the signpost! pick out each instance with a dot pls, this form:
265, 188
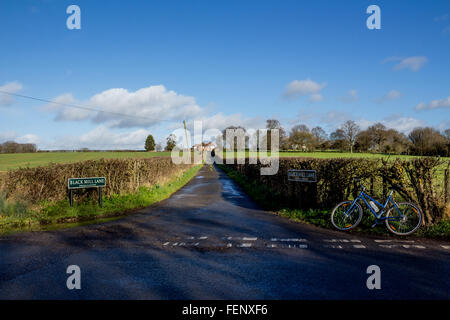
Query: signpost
302, 175
79, 183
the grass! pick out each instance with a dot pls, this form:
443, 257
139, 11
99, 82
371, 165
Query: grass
321, 218
16, 217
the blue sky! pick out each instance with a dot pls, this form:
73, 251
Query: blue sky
223, 62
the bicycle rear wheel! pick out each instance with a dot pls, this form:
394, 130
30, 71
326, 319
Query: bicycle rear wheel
343, 220
406, 224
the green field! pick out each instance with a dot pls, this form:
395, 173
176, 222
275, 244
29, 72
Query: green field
21, 160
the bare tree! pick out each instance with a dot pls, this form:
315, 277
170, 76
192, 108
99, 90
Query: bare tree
275, 124
350, 130
320, 136
301, 138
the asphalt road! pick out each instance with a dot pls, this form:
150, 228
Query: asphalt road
210, 241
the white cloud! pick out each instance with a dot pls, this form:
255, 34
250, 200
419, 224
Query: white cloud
123, 109
99, 138
13, 136
29, 138
389, 96
397, 122
352, 96
12, 87
434, 104
220, 121
298, 88
443, 17
7, 136
316, 97
412, 63
335, 118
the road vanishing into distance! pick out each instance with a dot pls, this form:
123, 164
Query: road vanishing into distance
210, 241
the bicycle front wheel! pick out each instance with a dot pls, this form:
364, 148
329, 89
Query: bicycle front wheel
344, 219
407, 219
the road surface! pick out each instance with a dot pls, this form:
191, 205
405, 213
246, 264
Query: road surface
210, 241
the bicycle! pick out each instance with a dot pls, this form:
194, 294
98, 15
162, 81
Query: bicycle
401, 218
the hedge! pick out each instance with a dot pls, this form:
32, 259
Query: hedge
49, 183
422, 180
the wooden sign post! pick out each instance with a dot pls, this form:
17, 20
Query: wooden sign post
306, 189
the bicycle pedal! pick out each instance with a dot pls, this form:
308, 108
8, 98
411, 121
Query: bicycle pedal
377, 222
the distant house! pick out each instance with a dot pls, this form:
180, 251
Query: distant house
200, 147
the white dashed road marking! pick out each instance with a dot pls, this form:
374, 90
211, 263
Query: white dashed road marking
250, 241
399, 241
334, 247
241, 238
289, 240
336, 240
405, 246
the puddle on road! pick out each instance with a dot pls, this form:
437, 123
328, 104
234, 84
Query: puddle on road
230, 190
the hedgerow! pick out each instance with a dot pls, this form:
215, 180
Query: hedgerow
49, 184
422, 180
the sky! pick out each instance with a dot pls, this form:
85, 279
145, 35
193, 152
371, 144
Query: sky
149, 65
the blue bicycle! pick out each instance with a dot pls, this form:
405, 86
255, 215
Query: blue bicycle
401, 218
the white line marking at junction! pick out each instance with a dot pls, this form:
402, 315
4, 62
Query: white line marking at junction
289, 240
445, 247
407, 246
244, 245
166, 243
202, 238
241, 238
402, 241
355, 240
359, 246
229, 245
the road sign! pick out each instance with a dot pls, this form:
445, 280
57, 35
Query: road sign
302, 175
78, 183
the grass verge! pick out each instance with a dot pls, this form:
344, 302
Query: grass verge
321, 217
15, 217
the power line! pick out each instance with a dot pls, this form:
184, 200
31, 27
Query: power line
81, 107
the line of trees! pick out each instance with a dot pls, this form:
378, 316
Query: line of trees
14, 147
423, 141
376, 138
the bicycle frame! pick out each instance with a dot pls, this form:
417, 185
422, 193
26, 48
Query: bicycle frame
366, 198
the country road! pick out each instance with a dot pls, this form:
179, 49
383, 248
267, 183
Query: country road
210, 241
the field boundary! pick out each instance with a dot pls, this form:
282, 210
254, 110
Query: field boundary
61, 215
321, 217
